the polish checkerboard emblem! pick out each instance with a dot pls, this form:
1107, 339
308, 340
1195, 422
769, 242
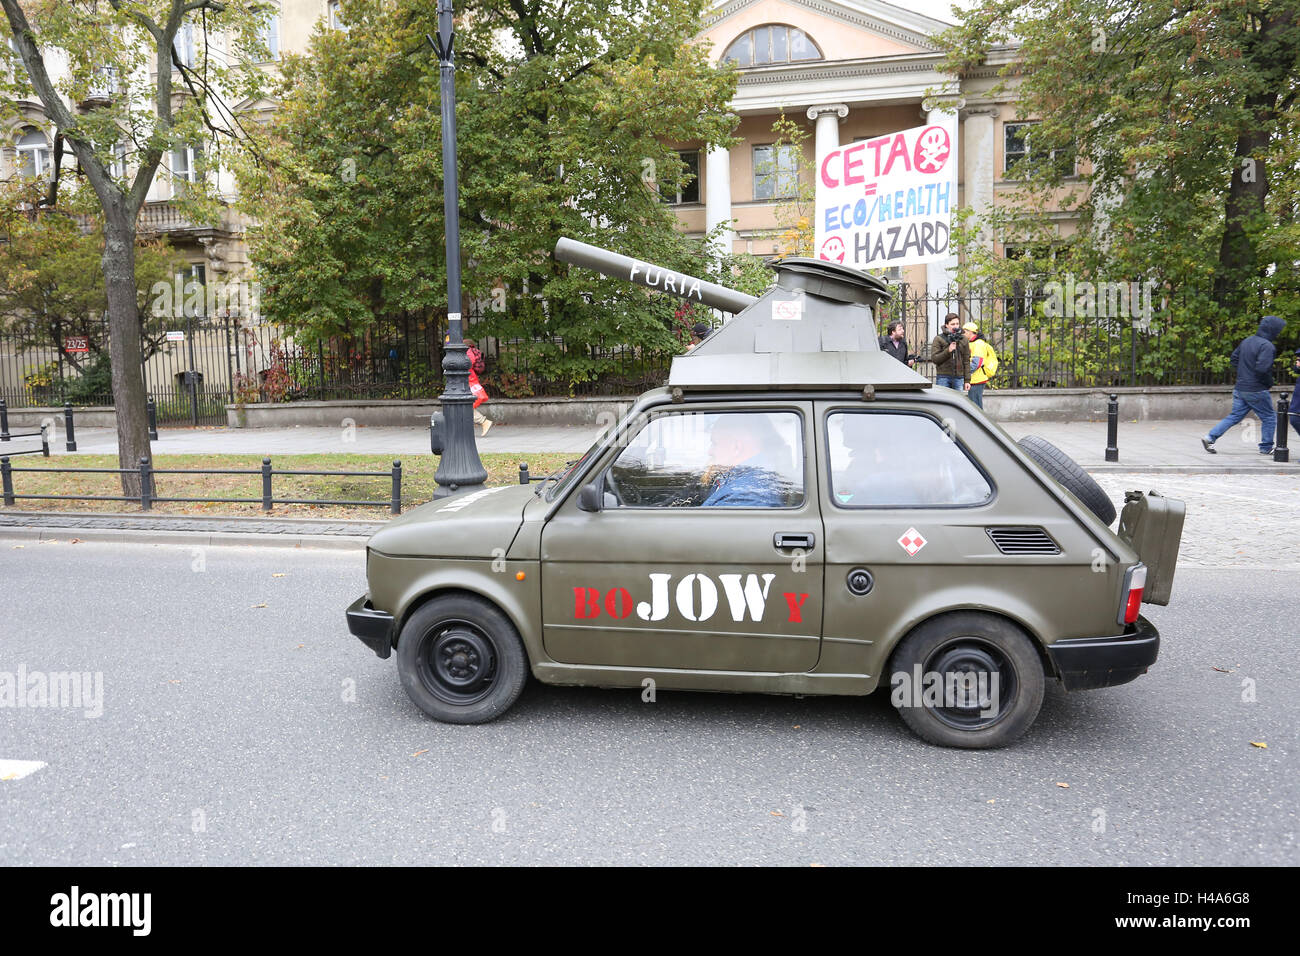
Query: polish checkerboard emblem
912, 541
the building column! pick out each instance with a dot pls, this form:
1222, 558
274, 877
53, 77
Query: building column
977, 128
827, 118
717, 197
941, 276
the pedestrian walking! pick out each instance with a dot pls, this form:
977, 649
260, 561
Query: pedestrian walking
983, 362
1253, 359
476, 367
950, 353
893, 343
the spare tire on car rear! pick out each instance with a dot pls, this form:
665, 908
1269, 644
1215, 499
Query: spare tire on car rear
1072, 477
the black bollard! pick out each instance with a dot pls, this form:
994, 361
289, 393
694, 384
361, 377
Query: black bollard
523, 473
45, 441
153, 418
4, 420
1112, 429
146, 485
396, 505
69, 434
266, 484
8, 477
1280, 450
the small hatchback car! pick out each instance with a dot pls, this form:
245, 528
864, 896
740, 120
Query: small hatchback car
796, 513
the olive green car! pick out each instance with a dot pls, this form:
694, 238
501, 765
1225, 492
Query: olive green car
786, 522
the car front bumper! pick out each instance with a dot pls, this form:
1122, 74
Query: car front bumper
1085, 663
374, 628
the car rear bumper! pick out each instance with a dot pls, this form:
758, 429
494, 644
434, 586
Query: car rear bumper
1085, 663
373, 628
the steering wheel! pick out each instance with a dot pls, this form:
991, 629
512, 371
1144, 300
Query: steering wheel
629, 496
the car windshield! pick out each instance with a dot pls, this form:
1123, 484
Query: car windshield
564, 476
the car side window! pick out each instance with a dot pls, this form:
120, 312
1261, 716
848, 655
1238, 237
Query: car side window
899, 460
711, 460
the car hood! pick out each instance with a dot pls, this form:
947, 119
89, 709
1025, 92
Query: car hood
480, 524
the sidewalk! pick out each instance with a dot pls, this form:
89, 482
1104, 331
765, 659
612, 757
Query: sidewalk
1143, 446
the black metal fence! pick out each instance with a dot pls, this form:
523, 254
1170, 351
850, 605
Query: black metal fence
149, 495
195, 366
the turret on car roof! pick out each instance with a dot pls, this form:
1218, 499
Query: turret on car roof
814, 329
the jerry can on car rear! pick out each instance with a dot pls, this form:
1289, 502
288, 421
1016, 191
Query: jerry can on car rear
1153, 525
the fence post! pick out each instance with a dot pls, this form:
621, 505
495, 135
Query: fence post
523, 472
152, 407
1280, 450
7, 471
397, 488
4, 420
69, 434
266, 484
1112, 429
146, 484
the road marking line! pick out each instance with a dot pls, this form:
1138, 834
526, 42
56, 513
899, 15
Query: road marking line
17, 769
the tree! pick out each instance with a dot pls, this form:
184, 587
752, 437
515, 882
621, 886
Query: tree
564, 110
125, 74
1168, 129
51, 284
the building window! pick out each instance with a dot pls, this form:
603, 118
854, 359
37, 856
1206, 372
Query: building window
772, 43
1016, 147
187, 166
336, 15
776, 171
269, 34
689, 191
193, 282
117, 162
34, 158
184, 44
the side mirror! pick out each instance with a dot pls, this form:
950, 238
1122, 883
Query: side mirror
591, 498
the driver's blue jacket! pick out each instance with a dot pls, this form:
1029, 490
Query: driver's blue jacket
747, 486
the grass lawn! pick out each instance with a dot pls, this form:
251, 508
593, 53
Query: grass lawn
417, 482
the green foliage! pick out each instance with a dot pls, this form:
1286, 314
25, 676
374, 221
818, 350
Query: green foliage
563, 113
1170, 132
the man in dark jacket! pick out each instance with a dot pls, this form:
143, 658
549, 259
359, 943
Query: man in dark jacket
893, 343
1254, 361
950, 353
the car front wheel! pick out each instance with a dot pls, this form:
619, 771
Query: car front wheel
461, 660
967, 680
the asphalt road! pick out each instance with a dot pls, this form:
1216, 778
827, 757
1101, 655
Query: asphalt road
233, 733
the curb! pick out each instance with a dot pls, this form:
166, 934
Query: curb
1116, 469
206, 539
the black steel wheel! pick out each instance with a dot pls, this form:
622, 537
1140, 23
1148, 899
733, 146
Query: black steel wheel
461, 660
968, 680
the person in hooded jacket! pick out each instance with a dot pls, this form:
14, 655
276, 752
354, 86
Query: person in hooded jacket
1254, 361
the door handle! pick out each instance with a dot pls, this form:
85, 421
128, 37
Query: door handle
786, 539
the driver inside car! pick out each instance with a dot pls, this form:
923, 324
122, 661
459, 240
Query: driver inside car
745, 455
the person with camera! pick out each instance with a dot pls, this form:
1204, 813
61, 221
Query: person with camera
893, 343
950, 353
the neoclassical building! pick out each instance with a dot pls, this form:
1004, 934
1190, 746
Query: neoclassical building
848, 70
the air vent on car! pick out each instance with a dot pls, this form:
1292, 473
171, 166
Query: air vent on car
1023, 540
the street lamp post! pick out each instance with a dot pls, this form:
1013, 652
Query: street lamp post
453, 427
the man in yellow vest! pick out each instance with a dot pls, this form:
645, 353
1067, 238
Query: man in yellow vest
983, 363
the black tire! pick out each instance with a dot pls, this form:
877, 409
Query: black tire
967, 642
1071, 477
461, 660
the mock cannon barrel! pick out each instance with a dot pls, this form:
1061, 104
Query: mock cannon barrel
651, 276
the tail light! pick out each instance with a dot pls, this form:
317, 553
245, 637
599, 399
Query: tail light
1135, 580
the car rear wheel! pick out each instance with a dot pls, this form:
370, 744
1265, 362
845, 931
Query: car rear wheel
461, 660
967, 680
1070, 475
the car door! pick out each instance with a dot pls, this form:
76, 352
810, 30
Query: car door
697, 560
